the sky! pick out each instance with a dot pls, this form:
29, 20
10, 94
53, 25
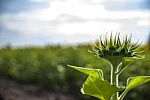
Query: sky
41, 22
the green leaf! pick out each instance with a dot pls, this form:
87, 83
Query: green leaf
98, 88
133, 82
126, 61
89, 71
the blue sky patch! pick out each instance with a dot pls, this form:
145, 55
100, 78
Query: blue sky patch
13, 6
136, 5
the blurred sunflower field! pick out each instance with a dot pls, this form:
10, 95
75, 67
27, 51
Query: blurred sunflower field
47, 67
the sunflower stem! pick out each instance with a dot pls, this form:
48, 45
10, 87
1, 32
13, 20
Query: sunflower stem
111, 73
122, 95
115, 80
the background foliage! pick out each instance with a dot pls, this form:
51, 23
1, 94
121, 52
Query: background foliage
47, 67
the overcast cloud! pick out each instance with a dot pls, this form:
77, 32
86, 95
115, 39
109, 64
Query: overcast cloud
73, 21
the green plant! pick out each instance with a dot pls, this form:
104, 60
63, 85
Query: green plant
119, 53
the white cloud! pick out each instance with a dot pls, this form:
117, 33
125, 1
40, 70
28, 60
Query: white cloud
39, 1
71, 18
90, 27
126, 0
144, 22
87, 11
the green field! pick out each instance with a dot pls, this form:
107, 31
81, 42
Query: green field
47, 67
